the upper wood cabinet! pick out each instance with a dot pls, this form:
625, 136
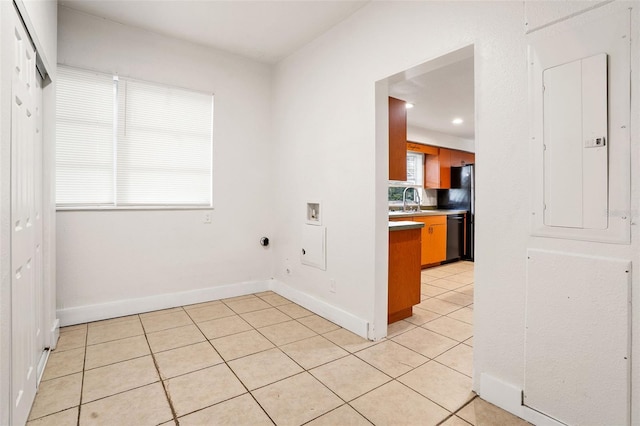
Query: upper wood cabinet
397, 140
462, 158
445, 168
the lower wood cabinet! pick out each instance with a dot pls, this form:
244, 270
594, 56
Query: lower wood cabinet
404, 273
434, 239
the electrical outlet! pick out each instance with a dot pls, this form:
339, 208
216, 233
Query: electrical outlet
207, 218
332, 285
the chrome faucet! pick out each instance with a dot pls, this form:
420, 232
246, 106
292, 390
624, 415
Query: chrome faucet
416, 197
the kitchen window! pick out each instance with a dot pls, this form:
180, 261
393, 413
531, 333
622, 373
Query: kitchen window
415, 178
124, 143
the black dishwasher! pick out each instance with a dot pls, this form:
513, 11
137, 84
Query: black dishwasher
455, 236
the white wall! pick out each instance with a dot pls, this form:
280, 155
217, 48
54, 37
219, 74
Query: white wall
431, 137
123, 255
326, 131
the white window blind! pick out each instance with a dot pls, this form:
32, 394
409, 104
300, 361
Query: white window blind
160, 146
414, 168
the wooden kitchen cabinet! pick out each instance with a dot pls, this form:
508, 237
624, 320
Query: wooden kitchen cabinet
462, 158
434, 239
404, 273
397, 140
437, 170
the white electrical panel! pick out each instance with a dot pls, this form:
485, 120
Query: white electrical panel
579, 99
575, 150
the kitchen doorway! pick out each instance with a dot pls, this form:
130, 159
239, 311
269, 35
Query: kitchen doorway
439, 97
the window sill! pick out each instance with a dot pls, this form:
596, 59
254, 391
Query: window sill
129, 208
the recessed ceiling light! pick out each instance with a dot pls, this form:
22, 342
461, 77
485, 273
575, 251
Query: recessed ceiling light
457, 121
408, 105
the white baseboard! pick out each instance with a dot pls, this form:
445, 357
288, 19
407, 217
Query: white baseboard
119, 308
509, 398
343, 318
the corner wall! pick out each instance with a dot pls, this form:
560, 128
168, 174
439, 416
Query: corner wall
118, 256
325, 97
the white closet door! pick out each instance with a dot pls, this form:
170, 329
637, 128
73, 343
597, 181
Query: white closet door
26, 237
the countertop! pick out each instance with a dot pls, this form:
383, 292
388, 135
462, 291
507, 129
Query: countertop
402, 225
400, 213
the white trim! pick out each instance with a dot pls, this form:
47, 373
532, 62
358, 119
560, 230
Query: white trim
509, 398
118, 308
55, 334
343, 318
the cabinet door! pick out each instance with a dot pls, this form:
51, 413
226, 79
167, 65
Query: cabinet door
434, 239
397, 140
444, 156
404, 273
431, 171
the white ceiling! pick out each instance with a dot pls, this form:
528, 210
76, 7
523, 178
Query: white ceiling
264, 30
439, 96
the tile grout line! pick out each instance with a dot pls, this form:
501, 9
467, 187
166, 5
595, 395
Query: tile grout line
232, 372
84, 363
155, 364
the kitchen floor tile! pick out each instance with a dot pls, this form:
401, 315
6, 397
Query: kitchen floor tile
275, 299
247, 305
343, 416
241, 410
286, 332
394, 403
421, 316
456, 298
241, 344
313, 351
210, 312
447, 284
318, 324
468, 290
142, 406
436, 272
451, 328
264, 368
77, 327
438, 306
189, 308
440, 384
348, 340
67, 417
56, 395
464, 314
71, 340
186, 359
295, 311
64, 363
459, 358
430, 290
469, 342
296, 400
160, 312
224, 327
398, 328
465, 278
116, 351
203, 388
392, 358
454, 421
174, 338
114, 331
425, 342
116, 378
349, 377
265, 317
481, 413
165, 321
111, 321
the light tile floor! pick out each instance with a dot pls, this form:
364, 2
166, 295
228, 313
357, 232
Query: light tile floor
261, 359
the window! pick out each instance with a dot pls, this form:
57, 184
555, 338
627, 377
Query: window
415, 173
127, 143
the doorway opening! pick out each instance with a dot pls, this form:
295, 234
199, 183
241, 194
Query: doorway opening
436, 190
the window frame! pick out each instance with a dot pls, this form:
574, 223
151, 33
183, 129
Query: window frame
144, 207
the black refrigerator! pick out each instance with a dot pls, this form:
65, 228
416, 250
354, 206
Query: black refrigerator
461, 196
